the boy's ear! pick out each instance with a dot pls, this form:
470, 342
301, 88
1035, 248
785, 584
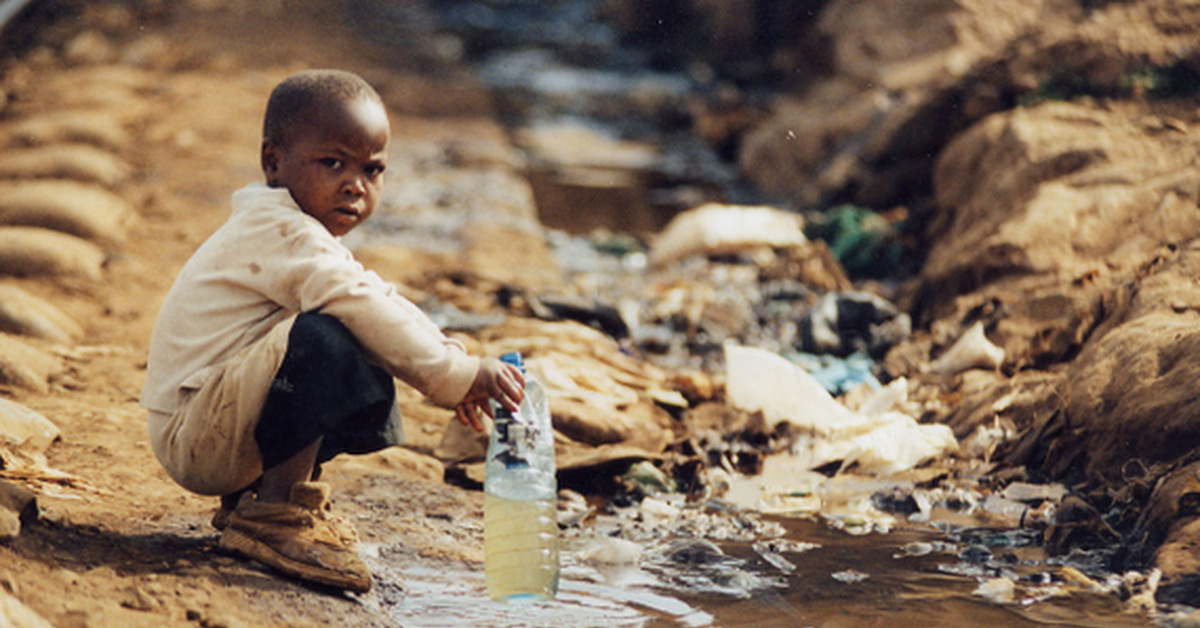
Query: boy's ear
270, 160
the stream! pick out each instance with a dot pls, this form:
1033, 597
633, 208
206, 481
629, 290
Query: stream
843, 554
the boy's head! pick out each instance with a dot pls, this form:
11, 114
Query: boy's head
325, 138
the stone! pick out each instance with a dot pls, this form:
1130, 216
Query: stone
17, 615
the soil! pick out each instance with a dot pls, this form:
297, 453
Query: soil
119, 544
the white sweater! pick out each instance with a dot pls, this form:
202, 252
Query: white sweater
270, 261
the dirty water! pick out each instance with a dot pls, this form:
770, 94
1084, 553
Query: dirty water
844, 581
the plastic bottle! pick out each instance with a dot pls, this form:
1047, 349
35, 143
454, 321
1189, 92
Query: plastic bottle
520, 527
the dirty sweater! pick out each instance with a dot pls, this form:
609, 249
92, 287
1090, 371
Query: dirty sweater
268, 262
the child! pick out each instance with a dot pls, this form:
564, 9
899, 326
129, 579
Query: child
275, 350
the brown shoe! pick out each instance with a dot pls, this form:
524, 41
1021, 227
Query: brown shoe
298, 541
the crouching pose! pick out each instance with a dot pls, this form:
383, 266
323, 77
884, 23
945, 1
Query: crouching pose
275, 350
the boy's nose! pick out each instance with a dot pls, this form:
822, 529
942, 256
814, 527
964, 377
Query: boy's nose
355, 185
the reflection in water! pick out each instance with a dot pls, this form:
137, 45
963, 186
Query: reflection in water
812, 576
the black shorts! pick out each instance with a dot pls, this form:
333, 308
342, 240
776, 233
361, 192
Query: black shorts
325, 387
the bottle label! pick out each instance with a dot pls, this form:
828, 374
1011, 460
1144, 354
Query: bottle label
517, 440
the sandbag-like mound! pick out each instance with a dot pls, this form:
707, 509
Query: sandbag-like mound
80, 162
32, 251
25, 366
89, 127
79, 209
23, 314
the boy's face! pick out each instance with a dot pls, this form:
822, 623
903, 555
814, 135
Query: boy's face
333, 164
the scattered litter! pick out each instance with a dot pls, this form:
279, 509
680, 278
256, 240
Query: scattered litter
843, 323
971, 350
999, 590
715, 229
850, 576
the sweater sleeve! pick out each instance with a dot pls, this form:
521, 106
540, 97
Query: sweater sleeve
322, 275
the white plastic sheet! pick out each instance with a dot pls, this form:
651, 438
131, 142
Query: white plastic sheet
881, 443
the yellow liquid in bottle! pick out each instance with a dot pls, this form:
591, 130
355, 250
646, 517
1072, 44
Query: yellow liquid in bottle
520, 543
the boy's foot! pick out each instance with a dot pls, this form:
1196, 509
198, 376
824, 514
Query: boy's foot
299, 539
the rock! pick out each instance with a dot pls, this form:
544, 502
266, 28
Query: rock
29, 431
17, 615
32, 251
24, 314
716, 229
88, 48
17, 506
79, 162
1128, 394
80, 209
903, 78
25, 366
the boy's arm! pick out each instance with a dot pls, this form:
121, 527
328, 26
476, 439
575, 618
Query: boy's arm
319, 274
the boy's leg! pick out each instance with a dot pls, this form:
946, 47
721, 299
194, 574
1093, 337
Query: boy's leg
276, 483
326, 389
325, 399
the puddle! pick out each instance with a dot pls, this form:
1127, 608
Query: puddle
770, 572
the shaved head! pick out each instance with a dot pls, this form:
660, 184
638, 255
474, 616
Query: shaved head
294, 101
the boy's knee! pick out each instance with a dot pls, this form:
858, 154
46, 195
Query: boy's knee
322, 334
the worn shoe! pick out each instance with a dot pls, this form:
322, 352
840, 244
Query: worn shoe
301, 538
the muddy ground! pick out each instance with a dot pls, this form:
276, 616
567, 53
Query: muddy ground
120, 544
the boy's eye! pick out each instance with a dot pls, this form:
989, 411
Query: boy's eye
375, 170
332, 162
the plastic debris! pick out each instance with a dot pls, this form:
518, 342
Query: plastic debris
850, 576
839, 375
865, 242
842, 323
999, 590
716, 229
649, 477
971, 350
826, 431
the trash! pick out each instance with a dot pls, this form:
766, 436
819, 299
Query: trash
825, 430
866, 243
849, 576
649, 477
999, 590
842, 323
971, 350
716, 229
839, 375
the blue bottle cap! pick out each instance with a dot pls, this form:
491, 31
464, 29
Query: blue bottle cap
514, 359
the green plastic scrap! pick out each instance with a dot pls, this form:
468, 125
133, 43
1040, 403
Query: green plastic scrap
649, 477
863, 241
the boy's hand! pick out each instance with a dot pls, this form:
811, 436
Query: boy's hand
495, 380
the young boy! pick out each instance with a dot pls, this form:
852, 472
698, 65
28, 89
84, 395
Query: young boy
275, 350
